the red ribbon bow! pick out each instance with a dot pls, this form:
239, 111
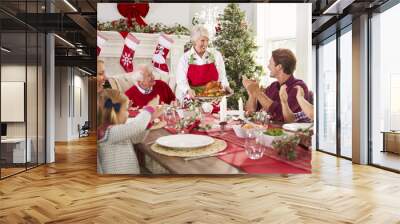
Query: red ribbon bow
134, 10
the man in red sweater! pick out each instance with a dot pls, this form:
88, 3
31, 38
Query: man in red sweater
147, 88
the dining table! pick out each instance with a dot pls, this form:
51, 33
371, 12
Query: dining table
233, 162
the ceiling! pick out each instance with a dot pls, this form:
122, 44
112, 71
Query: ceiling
79, 27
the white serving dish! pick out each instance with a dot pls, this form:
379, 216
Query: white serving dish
239, 131
242, 132
296, 126
268, 139
184, 141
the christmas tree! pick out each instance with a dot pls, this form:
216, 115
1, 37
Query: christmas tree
235, 41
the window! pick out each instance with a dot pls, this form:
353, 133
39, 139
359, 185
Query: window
22, 74
346, 94
385, 87
272, 35
327, 96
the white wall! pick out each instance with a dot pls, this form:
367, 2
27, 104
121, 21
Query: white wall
33, 127
68, 81
14, 73
165, 13
61, 103
169, 13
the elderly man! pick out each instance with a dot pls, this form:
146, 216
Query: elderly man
147, 88
282, 65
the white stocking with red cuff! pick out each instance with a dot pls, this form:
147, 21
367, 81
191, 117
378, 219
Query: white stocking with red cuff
100, 42
128, 52
160, 54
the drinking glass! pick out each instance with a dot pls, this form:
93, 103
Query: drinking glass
253, 147
169, 117
265, 119
180, 126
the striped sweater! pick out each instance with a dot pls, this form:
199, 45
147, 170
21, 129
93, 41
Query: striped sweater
115, 151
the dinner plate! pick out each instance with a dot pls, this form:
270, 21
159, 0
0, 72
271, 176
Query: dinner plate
185, 141
296, 126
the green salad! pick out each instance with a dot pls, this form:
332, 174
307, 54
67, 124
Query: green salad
274, 132
198, 89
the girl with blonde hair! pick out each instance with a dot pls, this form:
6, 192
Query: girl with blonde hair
115, 137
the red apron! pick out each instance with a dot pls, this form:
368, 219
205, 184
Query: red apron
199, 75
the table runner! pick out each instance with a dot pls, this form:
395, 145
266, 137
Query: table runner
270, 163
303, 162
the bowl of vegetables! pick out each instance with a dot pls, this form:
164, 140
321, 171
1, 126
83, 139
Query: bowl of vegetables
270, 135
242, 131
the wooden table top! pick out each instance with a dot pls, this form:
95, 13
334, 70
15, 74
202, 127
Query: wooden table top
177, 165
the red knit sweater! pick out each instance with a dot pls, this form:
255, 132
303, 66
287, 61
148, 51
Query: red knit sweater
160, 88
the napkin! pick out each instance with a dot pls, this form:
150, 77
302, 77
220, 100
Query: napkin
215, 108
133, 113
193, 125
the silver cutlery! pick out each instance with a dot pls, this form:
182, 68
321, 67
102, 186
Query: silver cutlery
211, 155
205, 156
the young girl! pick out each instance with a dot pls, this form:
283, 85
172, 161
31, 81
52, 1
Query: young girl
115, 151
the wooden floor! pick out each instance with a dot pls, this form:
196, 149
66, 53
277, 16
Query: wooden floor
387, 159
10, 171
70, 191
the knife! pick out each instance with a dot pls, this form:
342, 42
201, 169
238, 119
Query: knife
211, 155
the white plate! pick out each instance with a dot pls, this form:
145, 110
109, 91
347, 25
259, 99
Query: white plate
185, 141
296, 126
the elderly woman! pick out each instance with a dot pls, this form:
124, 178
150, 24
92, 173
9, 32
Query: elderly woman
199, 65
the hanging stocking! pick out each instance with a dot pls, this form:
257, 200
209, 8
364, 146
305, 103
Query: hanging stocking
128, 52
100, 42
160, 54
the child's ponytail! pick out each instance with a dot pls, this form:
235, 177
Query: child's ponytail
113, 116
112, 101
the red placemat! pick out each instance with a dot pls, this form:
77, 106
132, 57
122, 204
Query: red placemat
303, 161
270, 163
265, 165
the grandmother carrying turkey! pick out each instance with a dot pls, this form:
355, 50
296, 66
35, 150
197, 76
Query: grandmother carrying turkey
199, 66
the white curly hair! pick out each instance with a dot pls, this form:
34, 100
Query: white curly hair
197, 32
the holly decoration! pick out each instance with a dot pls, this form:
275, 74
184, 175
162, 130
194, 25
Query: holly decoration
123, 25
286, 146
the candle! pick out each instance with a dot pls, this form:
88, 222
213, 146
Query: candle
222, 109
241, 112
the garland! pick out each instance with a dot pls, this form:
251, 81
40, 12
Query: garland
122, 25
210, 58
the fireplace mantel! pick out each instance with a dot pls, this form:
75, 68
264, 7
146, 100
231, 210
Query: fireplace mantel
111, 53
